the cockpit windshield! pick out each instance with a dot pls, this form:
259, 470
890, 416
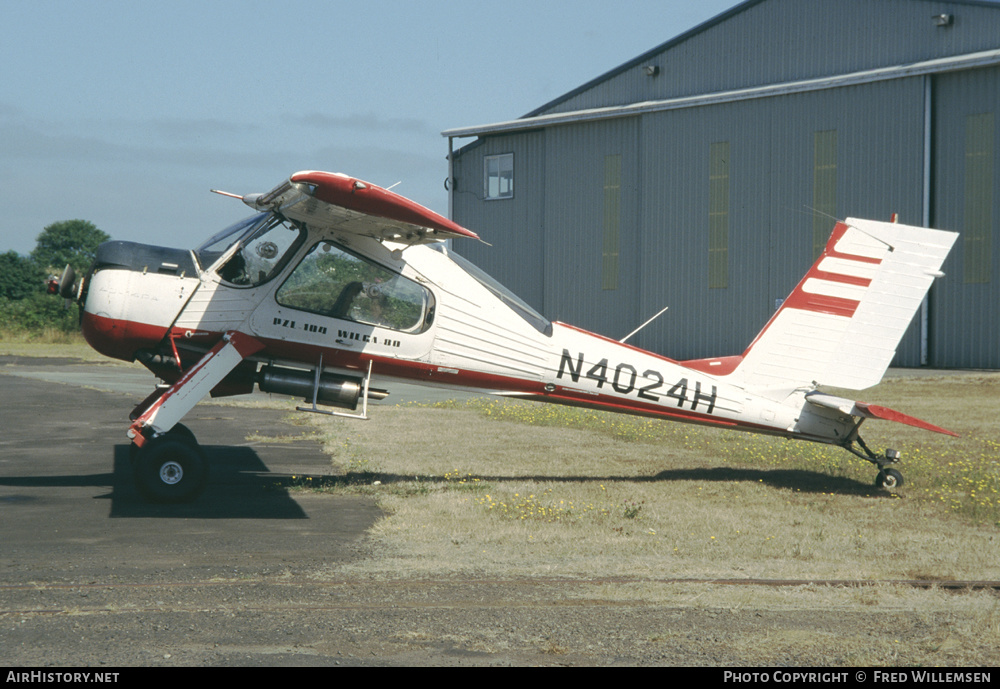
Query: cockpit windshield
514, 302
266, 242
212, 249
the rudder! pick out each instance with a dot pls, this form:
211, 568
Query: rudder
842, 323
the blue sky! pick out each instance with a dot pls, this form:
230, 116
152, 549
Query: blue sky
125, 113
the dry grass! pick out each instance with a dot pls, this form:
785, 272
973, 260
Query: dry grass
46, 336
510, 488
623, 507
49, 344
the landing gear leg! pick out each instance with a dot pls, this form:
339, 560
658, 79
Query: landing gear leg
171, 467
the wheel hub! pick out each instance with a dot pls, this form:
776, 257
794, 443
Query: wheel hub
171, 473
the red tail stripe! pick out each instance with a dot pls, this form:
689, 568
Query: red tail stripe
821, 303
840, 277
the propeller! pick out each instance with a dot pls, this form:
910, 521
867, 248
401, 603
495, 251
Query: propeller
67, 288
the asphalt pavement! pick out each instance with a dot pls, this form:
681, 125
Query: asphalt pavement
70, 510
93, 576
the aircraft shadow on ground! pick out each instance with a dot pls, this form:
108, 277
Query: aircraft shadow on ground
790, 479
239, 487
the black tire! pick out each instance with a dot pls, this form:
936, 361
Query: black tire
170, 470
178, 432
890, 479
182, 432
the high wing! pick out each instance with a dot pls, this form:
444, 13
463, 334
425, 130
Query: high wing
346, 204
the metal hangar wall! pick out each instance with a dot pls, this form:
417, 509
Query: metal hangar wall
706, 174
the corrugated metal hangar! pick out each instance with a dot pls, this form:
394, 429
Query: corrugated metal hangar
706, 174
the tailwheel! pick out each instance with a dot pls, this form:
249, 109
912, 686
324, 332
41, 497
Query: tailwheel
170, 468
889, 479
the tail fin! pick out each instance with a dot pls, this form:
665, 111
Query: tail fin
842, 323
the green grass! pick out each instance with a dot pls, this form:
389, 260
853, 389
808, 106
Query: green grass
15, 339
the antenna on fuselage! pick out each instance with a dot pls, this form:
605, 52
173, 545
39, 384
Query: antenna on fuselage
658, 313
227, 193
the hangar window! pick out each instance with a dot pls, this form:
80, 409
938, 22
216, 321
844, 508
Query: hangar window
499, 176
718, 215
977, 249
612, 220
824, 187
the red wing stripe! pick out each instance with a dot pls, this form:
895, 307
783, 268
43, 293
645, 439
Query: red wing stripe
370, 199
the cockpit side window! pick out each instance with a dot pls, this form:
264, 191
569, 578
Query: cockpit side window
331, 281
511, 300
263, 254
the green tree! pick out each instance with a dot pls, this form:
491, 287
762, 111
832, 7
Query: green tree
19, 276
36, 313
71, 241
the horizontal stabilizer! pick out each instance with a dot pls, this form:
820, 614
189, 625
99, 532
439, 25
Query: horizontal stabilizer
877, 412
871, 411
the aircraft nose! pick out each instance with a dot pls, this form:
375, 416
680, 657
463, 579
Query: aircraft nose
134, 293
106, 320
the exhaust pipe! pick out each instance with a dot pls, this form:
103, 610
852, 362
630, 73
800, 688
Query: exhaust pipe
331, 389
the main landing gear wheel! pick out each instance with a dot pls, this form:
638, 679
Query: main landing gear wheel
170, 468
889, 479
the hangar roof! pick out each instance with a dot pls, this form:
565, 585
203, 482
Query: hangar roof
820, 46
981, 59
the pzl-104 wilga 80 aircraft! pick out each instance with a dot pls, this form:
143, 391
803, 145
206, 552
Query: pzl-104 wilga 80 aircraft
337, 287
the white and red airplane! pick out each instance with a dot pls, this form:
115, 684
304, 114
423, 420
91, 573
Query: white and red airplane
337, 287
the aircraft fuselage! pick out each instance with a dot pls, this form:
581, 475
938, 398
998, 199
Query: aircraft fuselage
413, 313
